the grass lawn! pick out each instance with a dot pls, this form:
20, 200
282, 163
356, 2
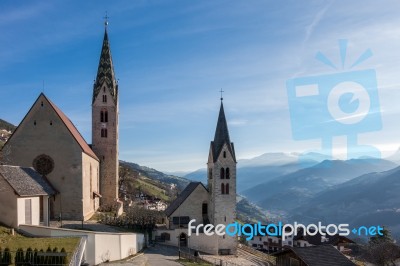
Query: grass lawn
191, 263
18, 241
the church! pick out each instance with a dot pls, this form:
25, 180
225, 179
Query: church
214, 204
81, 176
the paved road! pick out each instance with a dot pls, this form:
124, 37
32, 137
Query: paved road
153, 256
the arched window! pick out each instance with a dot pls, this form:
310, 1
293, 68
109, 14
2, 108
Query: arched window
104, 116
104, 98
227, 188
222, 173
227, 176
104, 132
224, 154
222, 188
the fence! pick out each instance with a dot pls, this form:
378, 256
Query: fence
34, 257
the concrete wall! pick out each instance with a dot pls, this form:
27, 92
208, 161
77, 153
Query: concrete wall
202, 242
100, 246
8, 204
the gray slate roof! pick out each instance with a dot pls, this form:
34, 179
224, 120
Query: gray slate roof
221, 136
182, 197
326, 255
26, 181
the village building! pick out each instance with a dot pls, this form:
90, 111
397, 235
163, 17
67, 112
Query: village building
214, 204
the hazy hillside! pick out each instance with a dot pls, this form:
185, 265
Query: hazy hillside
156, 183
5, 129
369, 199
260, 169
289, 191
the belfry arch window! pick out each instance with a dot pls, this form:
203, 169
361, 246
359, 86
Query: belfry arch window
104, 98
222, 188
104, 132
226, 188
224, 154
104, 116
222, 173
227, 174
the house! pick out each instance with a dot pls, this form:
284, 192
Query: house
24, 196
270, 243
326, 255
339, 242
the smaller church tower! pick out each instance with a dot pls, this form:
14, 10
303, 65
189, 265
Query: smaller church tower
105, 124
221, 169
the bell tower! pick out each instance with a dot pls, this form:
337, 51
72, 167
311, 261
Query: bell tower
221, 168
105, 124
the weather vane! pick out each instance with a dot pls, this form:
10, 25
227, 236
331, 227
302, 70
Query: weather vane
106, 19
221, 91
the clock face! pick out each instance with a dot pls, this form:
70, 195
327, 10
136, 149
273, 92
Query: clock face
43, 164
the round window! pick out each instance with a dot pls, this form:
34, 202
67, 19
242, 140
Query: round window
43, 164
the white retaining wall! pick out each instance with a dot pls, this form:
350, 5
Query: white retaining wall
100, 246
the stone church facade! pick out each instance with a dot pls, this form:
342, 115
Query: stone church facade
83, 176
214, 204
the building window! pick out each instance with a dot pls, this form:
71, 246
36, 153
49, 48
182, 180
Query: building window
224, 154
104, 98
227, 176
41, 104
34, 123
222, 173
222, 188
104, 132
104, 116
227, 189
210, 173
51, 123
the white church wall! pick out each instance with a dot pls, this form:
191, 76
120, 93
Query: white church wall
90, 182
100, 246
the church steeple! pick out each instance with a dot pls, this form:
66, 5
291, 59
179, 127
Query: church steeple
222, 135
105, 72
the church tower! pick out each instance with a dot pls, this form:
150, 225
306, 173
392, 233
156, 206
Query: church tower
105, 124
221, 169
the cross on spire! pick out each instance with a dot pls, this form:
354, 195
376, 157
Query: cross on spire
221, 91
106, 20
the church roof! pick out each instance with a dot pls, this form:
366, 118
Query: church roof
105, 72
26, 181
73, 130
221, 136
182, 197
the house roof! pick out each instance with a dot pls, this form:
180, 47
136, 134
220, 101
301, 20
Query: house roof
221, 136
105, 71
26, 181
326, 255
182, 197
317, 239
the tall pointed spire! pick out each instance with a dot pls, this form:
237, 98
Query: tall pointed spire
105, 71
221, 136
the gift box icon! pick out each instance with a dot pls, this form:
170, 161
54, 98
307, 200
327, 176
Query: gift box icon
337, 104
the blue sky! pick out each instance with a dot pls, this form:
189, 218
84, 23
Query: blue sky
173, 57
